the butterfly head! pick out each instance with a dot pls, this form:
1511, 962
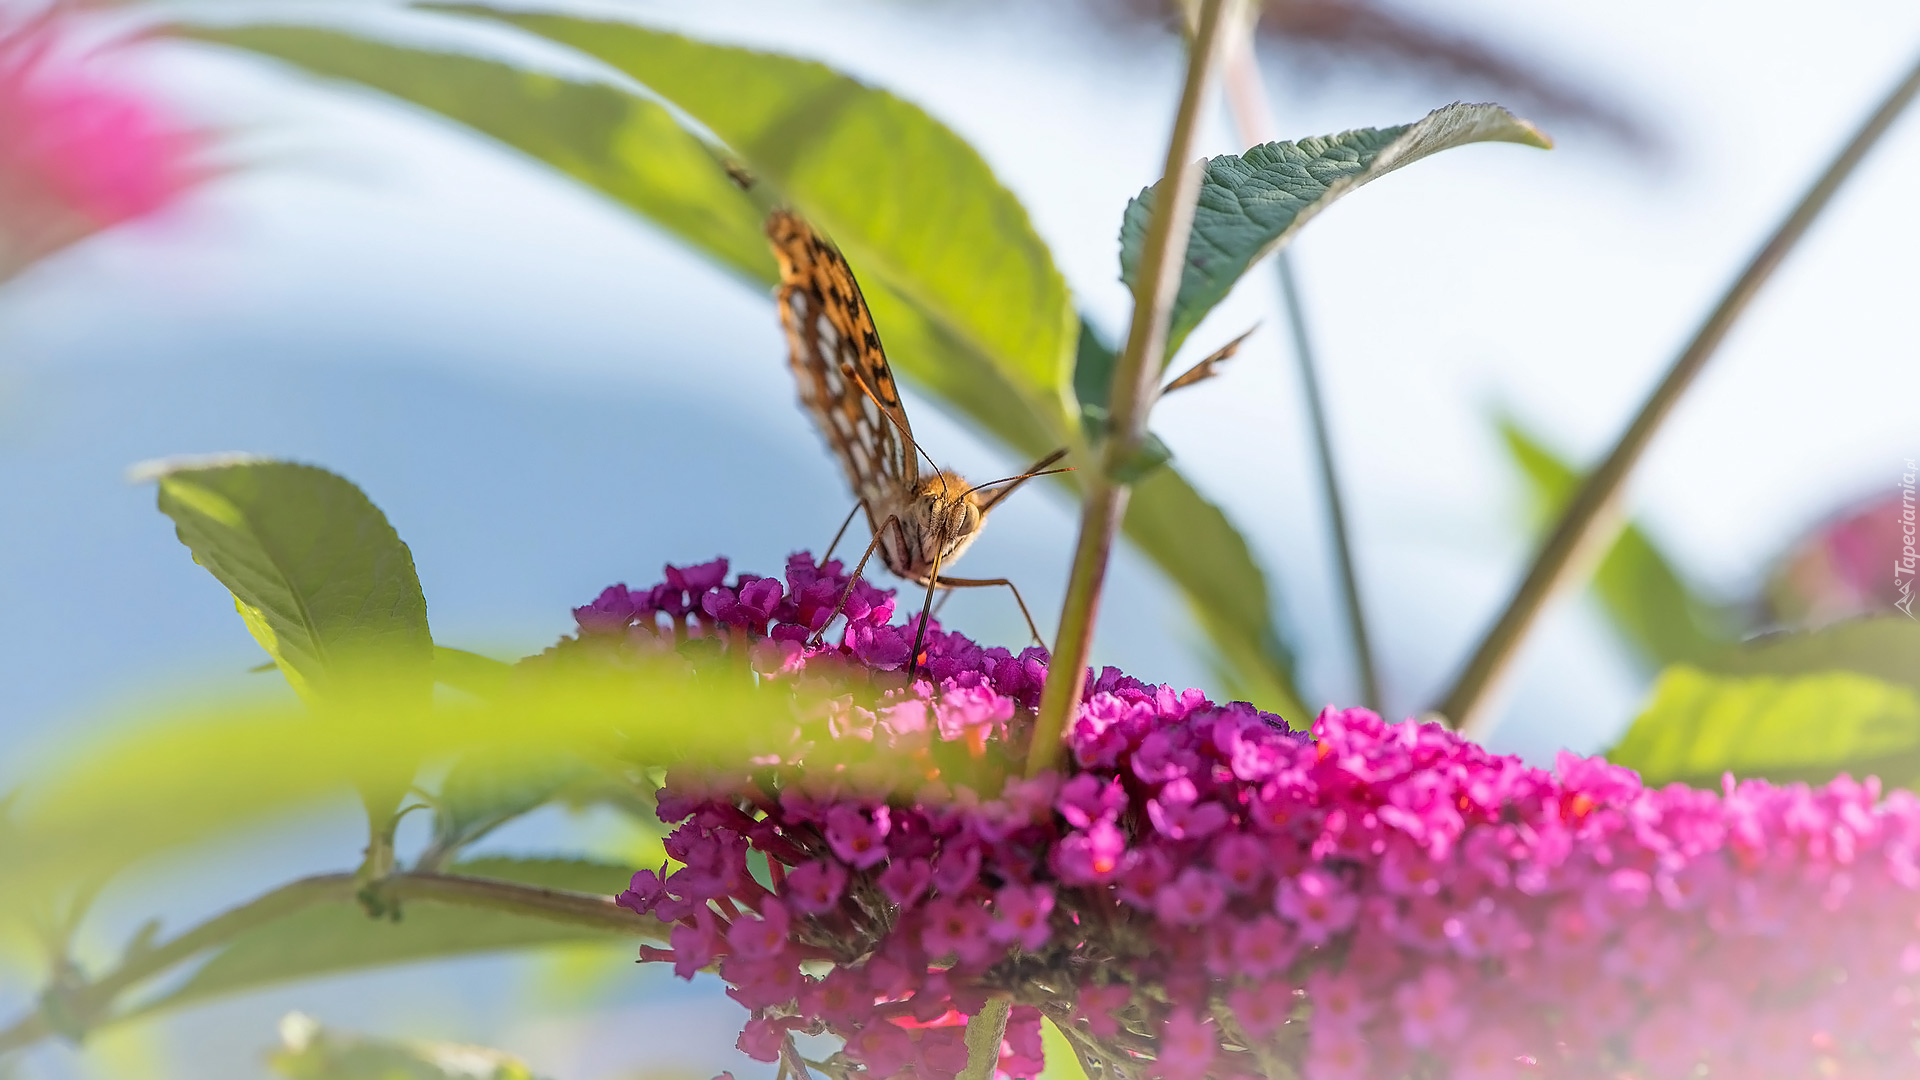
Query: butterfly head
948, 513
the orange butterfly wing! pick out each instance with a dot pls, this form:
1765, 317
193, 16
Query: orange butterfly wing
829, 327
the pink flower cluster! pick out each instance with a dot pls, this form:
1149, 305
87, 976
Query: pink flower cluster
1202, 892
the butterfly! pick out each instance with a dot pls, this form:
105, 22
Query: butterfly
920, 521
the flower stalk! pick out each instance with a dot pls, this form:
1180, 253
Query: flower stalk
1135, 384
1593, 518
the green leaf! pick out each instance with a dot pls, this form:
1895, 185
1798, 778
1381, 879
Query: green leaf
1883, 647
324, 583
912, 203
1650, 605
482, 676
1810, 728
1252, 204
1062, 1062
311, 1052
941, 333
621, 144
335, 937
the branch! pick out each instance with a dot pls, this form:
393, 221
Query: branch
1593, 519
90, 1002
1135, 379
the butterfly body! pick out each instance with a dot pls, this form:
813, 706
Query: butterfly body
919, 522
936, 525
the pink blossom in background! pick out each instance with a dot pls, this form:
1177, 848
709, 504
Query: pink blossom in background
1205, 893
1844, 568
79, 151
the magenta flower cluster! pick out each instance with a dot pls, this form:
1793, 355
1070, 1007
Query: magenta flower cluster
1202, 892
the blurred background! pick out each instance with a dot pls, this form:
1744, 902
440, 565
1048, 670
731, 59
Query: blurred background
546, 395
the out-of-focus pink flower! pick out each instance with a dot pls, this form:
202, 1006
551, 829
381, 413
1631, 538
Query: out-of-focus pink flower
79, 152
1848, 566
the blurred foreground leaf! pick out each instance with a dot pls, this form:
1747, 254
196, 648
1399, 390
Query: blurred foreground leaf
336, 937
323, 581
941, 281
195, 774
1251, 204
1649, 604
311, 1052
1885, 648
1801, 728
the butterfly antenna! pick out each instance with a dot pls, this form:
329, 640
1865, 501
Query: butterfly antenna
1039, 468
846, 369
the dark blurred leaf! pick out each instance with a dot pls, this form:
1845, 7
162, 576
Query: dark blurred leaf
1886, 648
336, 937
1380, 41
1251, 204
311, 1052
323, 582
1649, 604
1799, 728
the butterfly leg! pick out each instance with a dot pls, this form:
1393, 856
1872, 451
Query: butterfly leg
981, 583
857, 507
847, 593
920, 632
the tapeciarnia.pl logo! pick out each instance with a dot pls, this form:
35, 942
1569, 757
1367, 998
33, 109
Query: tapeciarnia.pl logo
1903, 566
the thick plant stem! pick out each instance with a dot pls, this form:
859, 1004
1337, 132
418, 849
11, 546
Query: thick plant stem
1247, 103
1135, 385
1593, 519
91, 1003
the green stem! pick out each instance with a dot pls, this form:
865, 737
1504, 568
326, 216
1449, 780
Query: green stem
96, 998
1593, 519
1135, 386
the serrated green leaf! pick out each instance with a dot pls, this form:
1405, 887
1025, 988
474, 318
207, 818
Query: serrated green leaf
1251, 204
311, 1052
1653, 609
913, 204
324, 583
1810, 728
1883, 647
336, 937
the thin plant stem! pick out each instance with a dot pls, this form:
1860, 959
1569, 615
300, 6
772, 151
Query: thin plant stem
90, 1002
1594, 517
1247, 104
1135, 381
